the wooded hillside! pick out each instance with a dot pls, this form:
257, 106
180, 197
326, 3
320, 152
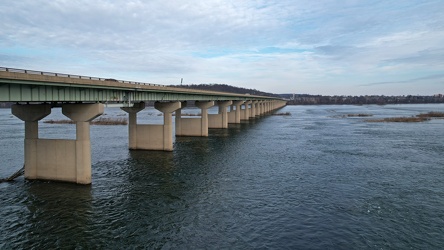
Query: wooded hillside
226, 88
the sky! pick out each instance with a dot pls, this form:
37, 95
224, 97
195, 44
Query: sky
327, 47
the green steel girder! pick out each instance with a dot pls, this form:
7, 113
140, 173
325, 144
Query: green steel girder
16, 90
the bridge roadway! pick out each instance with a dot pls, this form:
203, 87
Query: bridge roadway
81, 99
18, 85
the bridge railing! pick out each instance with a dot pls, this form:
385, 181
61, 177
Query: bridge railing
163, 87
43, 73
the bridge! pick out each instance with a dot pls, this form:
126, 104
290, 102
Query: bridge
83, 99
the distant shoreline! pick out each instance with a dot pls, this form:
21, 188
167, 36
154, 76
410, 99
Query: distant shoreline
362, 100
342, 100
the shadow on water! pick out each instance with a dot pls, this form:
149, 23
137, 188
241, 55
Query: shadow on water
59, 214
152, 187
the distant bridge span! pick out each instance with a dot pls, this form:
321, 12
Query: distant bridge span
81, 99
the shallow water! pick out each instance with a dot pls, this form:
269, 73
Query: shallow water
309, 180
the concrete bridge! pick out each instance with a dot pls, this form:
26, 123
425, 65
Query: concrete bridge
83, 98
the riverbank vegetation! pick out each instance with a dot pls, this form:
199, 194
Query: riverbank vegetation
432, 115
282, 114
358, 115
352, 115
418, 118
400, 119
305, 99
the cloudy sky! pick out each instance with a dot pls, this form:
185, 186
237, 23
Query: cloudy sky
329, 47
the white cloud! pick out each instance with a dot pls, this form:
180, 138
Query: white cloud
278, 46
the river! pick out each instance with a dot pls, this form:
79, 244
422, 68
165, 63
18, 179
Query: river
310, 180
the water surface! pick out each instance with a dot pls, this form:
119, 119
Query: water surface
311, 180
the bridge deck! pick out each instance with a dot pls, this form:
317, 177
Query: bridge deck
34, 86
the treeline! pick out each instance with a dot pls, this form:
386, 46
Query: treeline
226, 88
373, 99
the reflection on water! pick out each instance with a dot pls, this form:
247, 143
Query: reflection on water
309, 180
51, 214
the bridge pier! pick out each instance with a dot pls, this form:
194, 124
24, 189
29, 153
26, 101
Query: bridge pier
151, 137
167, 108
81, 114
194, 126
58, 159
264, 107
219, 120
235, 115
246, 112
179, 119
31, 114
258, 108
204, 106
253, 109
132, 123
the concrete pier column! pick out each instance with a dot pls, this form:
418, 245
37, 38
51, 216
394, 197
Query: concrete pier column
219, 120
81, 114
264, 107
258, 108
58, 159
247, 111
178, 119
204, 105
148, 136
253, 109
223, 110
167, 108
236, 118
132, 123
31, 114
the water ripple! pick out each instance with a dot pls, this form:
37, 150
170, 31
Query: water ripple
302, 181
